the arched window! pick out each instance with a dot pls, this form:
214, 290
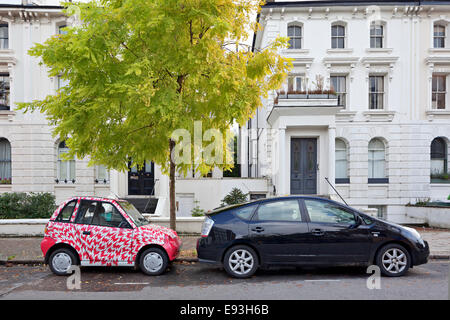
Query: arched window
438, 157
65, 168
295, 37
377, 161
337, 36
5, 161
341, 161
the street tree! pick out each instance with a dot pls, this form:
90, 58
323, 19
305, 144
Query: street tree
137, 71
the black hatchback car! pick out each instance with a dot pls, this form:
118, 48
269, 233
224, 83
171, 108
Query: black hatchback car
305, 231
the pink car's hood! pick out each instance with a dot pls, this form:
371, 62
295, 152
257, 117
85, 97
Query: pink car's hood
153, 228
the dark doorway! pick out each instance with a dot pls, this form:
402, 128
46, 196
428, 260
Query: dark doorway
303, 166
141, 181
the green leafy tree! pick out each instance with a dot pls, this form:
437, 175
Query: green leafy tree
139, 70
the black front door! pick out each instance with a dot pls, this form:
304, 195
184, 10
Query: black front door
278, 231
141, 181
303, 166
334, 236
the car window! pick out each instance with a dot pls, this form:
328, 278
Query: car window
86, 212
107, 215
285, 210
327, 212
245, 212
66, 212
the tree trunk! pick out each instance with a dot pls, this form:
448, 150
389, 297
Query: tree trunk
173, 223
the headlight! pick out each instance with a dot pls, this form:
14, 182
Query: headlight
416, 235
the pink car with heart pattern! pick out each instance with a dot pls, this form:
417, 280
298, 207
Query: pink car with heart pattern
90, 231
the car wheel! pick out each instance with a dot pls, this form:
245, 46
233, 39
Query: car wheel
153, 261
393, 260
240, 262
61, 260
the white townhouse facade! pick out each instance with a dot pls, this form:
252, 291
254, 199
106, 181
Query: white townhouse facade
383, 139
377, 141
30, 156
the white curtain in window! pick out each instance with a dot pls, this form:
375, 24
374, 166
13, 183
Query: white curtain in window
102, 173
5, 159
66, 168
341, 160
377, 159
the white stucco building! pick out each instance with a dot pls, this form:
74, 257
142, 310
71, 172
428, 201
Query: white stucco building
383, 140
373, 141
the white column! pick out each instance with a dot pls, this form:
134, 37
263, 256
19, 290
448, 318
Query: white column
331, 158
282, 172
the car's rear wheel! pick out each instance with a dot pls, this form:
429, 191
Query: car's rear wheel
61, 260
393, 260
153, 261
240, 262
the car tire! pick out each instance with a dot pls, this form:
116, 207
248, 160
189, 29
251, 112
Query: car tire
241, 262
61, 260
153, 261
393, 260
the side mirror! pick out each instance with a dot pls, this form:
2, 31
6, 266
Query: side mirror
358, 221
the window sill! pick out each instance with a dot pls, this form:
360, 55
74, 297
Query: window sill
439, 50
379, 115
345, 115
438, 114
343, 50
295, 51
379, 50
440, 181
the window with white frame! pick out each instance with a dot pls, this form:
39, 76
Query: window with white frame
376, 36
439, 36
377, 161
65, 168
341, 161
294, 83
339, 85
4, 91
5, 161
294, 33
337, 36
376, 92
438, 91
439, 151
101, 174
4, 36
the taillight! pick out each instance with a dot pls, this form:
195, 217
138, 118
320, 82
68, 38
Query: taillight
206, 227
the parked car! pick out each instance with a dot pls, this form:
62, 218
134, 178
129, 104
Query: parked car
106, 232
305, 231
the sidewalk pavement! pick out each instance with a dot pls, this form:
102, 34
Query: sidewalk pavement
28, 250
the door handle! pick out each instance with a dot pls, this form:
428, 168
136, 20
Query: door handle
87, 233
258, 229
317, 232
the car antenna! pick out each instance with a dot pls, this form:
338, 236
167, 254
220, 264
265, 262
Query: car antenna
336, 191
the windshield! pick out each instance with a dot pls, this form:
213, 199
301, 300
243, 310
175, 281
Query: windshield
138, 219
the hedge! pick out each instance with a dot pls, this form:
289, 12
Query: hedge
21, 205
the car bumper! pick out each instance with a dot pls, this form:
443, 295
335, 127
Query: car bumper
421, 254
46, 244
173, 247
207, 252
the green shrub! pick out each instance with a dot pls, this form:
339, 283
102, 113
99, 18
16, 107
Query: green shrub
21, 205
235, 196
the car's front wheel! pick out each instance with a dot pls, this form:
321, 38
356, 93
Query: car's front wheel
153, 261
393, 260
240, 262
61, 260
